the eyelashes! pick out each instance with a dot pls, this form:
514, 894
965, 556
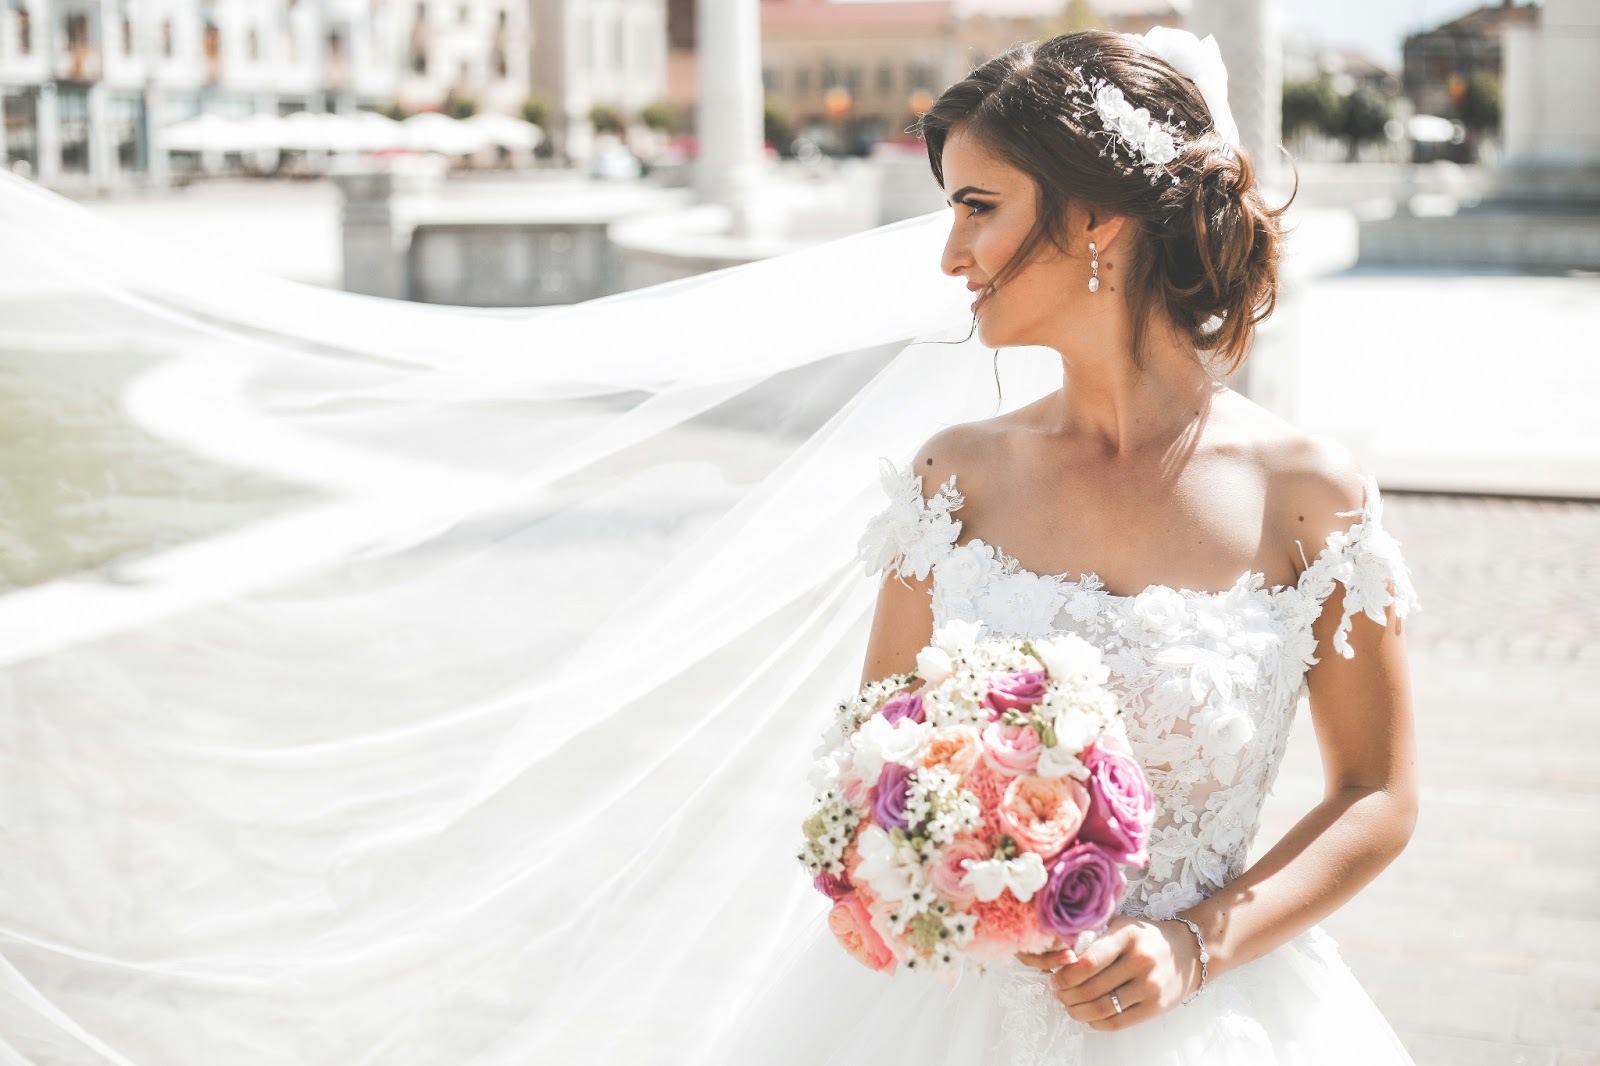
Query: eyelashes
977, 208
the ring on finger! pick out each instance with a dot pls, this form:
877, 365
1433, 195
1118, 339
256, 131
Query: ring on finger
1116, 1003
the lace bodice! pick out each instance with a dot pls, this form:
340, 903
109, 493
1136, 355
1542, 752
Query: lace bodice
1208, 682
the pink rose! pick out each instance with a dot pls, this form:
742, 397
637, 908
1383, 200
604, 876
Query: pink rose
1011, 749
857, 792
890, 796
852, 926
1018, 690
831, 885
903, 705
947, 869
1122, 809
1043, 814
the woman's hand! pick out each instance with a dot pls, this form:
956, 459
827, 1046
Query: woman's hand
1151, 966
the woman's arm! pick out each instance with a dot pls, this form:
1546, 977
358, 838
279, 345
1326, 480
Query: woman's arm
1362, 713
902, 622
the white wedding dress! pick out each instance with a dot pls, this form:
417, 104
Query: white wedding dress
1209, 683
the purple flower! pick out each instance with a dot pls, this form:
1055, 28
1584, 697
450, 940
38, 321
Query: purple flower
889, 796
1082, 893
903, 705
1122, 809
1015, 691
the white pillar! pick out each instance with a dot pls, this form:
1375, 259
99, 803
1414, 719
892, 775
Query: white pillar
155, 117
731, 156
102, 152
47, 140
1249, 35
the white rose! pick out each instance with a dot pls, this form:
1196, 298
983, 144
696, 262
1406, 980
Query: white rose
1066, 656
934, 665
1061, 762
880, 741
826, 771
963, 571
889, 873
958, 634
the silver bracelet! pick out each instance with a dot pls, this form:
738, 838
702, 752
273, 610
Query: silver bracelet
1205, 957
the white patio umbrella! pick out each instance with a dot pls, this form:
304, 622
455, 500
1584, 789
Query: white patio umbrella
204, 133
259, 132
507, 131
312, 131
434, 132
372, 132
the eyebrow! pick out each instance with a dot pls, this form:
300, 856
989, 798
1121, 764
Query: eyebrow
959, 193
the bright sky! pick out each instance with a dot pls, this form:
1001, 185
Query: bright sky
1375, 27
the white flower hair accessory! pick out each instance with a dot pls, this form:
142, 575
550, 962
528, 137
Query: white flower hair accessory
1147, 143
1132, 136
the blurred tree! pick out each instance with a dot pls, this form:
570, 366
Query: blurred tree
393, 110
1310, 105
605, 119
536, 109
1363, 115
660, 116
775, 126
459, 106
1480, 103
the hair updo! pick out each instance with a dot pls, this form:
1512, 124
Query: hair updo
1206, 248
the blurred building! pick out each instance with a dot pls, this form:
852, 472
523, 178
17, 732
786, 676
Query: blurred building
1345, 69
1438, 64
597, 52
845, 75
86, 85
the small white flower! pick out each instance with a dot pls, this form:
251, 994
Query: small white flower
1160, 610
1060, 761
1158, 147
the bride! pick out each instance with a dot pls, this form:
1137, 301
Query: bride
499, 757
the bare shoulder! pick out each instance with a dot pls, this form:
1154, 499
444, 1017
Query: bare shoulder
1309, 479
962, 451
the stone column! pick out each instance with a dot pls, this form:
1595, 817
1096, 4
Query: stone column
731, 154
383, 203
48, 134
1250, 37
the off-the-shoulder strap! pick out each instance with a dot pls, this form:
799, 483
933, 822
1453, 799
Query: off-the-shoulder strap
1366, 559
911, 533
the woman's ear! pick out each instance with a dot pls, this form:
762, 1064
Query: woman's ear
1102, 229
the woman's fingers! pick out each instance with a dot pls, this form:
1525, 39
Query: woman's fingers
1047, 961
1093, 994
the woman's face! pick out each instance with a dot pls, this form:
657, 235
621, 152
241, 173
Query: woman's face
994, 206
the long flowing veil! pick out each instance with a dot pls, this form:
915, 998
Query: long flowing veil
481, 734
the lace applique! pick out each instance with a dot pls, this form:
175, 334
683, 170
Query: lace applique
912, 532
1366, 559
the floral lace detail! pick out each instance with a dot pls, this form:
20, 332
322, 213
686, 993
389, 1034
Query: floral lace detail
909, 534
1034, 1030
1209, 682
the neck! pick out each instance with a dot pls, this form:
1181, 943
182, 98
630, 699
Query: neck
1124, 411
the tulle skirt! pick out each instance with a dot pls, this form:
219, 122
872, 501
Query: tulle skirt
1299, 1005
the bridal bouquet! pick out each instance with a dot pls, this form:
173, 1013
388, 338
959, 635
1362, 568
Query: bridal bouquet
988, 812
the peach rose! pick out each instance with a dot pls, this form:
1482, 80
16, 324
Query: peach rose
852, 926
954, 748
1043, 814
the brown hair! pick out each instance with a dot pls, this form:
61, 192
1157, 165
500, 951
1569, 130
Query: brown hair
1205, 248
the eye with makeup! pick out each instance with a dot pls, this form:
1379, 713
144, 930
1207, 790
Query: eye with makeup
977, 208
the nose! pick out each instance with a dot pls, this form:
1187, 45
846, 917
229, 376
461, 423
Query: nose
954, 259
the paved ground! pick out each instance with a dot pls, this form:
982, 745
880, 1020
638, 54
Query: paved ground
1482, 942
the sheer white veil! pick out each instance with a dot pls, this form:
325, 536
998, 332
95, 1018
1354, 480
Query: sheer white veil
485, 741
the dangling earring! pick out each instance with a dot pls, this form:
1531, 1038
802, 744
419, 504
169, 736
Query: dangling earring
1094, 267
